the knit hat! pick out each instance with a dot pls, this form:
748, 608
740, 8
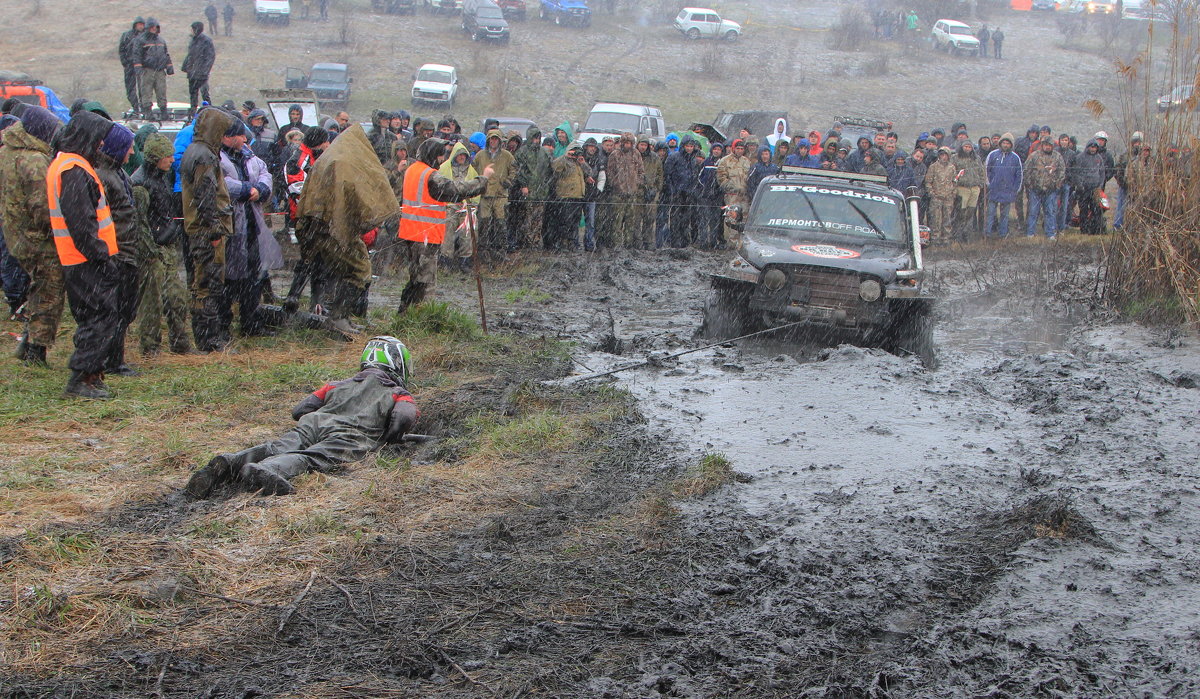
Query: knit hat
1007, 137
924, 136
117, 142
40, 122
157, 147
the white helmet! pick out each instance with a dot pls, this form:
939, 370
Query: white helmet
1101, 134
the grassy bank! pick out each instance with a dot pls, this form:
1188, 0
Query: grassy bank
105, 563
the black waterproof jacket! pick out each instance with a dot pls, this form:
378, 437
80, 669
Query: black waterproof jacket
200, 57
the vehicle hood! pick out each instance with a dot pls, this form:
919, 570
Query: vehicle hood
431, 87
730, 24
492, 22
880, 258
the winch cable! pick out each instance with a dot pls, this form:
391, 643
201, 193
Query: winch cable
658, 360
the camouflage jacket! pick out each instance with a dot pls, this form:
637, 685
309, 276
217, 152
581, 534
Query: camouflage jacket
24, 160
1045, 172
732, 173
939, 179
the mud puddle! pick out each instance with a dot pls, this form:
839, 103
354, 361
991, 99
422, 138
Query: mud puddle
880, 476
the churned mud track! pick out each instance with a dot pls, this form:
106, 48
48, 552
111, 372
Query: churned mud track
1018, 523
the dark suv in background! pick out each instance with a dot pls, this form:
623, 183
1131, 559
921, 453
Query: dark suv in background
483, 19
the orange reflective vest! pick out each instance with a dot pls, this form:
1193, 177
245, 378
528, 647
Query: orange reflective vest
67, 253
422, 218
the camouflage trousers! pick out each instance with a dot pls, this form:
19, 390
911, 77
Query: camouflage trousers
44, 300
622, 231
648, 227
208, 287
941, 218
153, 84
533, 216
163, 293
455, 243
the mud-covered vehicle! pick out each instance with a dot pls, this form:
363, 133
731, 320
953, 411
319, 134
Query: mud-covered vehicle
838, 254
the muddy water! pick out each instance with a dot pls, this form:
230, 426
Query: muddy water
855, 452
873, 481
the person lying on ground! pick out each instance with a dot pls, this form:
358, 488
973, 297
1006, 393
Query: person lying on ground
338, 423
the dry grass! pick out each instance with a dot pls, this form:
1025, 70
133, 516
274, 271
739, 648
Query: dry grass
99, 544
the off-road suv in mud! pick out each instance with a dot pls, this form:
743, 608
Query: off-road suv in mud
838, 252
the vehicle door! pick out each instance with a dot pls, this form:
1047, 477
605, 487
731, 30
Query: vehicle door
712, 25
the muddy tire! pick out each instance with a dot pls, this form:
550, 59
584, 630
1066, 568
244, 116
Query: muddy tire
725, 315
912, 335
693, 33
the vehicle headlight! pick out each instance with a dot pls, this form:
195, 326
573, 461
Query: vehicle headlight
870, 290
774, 279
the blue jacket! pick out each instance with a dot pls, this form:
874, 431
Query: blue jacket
182, 140
1004, 173
797, 160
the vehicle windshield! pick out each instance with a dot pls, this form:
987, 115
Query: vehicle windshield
434, 76
327, 76
828, 209
683, 14
489, 13
611, 122
962, 31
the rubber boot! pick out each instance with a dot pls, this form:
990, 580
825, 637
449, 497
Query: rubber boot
34, 355
86, 386
223, 468
264, 481
19, 353
414, 293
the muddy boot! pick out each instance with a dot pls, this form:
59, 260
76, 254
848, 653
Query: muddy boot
264, 481
86, 386
219, 470
19, 353
34, 355
413, 294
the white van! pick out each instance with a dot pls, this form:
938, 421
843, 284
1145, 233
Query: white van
615, 118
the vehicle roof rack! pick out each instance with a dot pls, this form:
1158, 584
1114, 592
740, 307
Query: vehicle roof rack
20, 82
832, 174
863, 121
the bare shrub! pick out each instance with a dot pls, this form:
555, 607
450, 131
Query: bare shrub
852, 31
35, 8
1072, 27
346, 34
712, 60
1154, 259
499, 89
877, 64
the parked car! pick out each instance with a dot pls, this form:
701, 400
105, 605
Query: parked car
449, 7
330, 82
435, 83
513, 9
507, 124
1180, 97
615, 118
395, 7
31, 91
574, 12
1100, 7
1050, 5
272, 11
954, 36
483, 19
699, 22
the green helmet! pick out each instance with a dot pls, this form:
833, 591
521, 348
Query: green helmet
388, 353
